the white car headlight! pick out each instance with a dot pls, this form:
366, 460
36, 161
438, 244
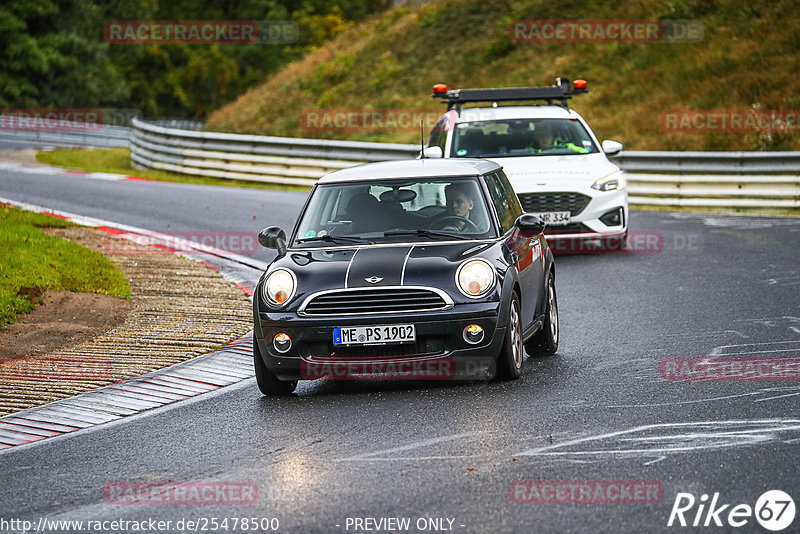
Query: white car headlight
612, 182
475, 278
279, 287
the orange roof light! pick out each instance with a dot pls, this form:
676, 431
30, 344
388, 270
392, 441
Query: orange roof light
439, 88
580, 84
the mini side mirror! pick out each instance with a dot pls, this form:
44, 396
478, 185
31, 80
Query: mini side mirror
530, 223
273, 237
611, 148
433, 152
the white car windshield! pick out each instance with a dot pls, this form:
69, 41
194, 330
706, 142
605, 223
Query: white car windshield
510, 138
422, 209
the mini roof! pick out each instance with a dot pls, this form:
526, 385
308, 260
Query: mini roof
413, 168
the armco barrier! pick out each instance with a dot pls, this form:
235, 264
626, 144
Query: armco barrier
768, 180
725, 179
721, 191
93, 135
710, 162
282, 160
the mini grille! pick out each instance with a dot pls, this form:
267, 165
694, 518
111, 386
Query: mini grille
574, 203
379, 300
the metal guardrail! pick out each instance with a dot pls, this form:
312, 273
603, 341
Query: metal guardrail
81, 134
283, 160
700, 179
720, 191
727, 179
710, 162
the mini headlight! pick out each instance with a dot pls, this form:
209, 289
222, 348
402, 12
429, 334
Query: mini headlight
475, 278
279, 287
612, 182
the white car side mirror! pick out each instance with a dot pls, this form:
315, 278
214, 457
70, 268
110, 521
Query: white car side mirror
611, 148
433, 152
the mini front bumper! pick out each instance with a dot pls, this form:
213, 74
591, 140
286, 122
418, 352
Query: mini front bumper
440, 350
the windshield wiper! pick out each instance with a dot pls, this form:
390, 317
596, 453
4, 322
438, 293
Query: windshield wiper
334, 238
425, 233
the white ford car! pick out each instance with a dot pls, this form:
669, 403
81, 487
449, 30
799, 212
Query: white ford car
555, 163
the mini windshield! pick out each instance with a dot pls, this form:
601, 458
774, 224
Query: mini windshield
510, 138
424, 209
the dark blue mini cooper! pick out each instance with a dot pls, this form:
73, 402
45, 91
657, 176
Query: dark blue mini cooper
421, 269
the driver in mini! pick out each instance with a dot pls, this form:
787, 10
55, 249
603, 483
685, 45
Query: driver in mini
459, 203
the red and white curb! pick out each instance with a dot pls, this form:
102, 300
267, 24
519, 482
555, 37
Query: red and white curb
223, 367
31, 168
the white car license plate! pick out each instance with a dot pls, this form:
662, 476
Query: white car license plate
374, 335
554, 218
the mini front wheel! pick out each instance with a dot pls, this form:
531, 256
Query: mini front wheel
268, 382
509, 363
545, 341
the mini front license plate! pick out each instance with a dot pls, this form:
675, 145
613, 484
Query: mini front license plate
555, 218
374, 335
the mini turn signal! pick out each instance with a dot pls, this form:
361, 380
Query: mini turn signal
282, 342
474, 288
439, 88
580, 84
473, 334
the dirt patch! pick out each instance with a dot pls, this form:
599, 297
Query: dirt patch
63, 319
24, 155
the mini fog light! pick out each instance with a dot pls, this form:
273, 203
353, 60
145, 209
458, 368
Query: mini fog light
282, 342
473, 334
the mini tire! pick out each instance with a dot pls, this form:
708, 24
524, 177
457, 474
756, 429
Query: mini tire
268, 383
509, 363
545, 341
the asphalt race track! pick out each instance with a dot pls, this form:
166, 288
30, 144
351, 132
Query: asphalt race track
605, 410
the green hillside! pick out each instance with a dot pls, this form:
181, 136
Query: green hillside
746, 60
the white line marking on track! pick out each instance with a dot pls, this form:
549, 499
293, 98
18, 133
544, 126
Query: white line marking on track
700, 436
778, 397
368, 456
719, 351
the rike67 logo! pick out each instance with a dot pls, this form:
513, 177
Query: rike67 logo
774, 510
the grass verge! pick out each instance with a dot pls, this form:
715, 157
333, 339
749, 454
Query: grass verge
118, 161
742, 62
31, 258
